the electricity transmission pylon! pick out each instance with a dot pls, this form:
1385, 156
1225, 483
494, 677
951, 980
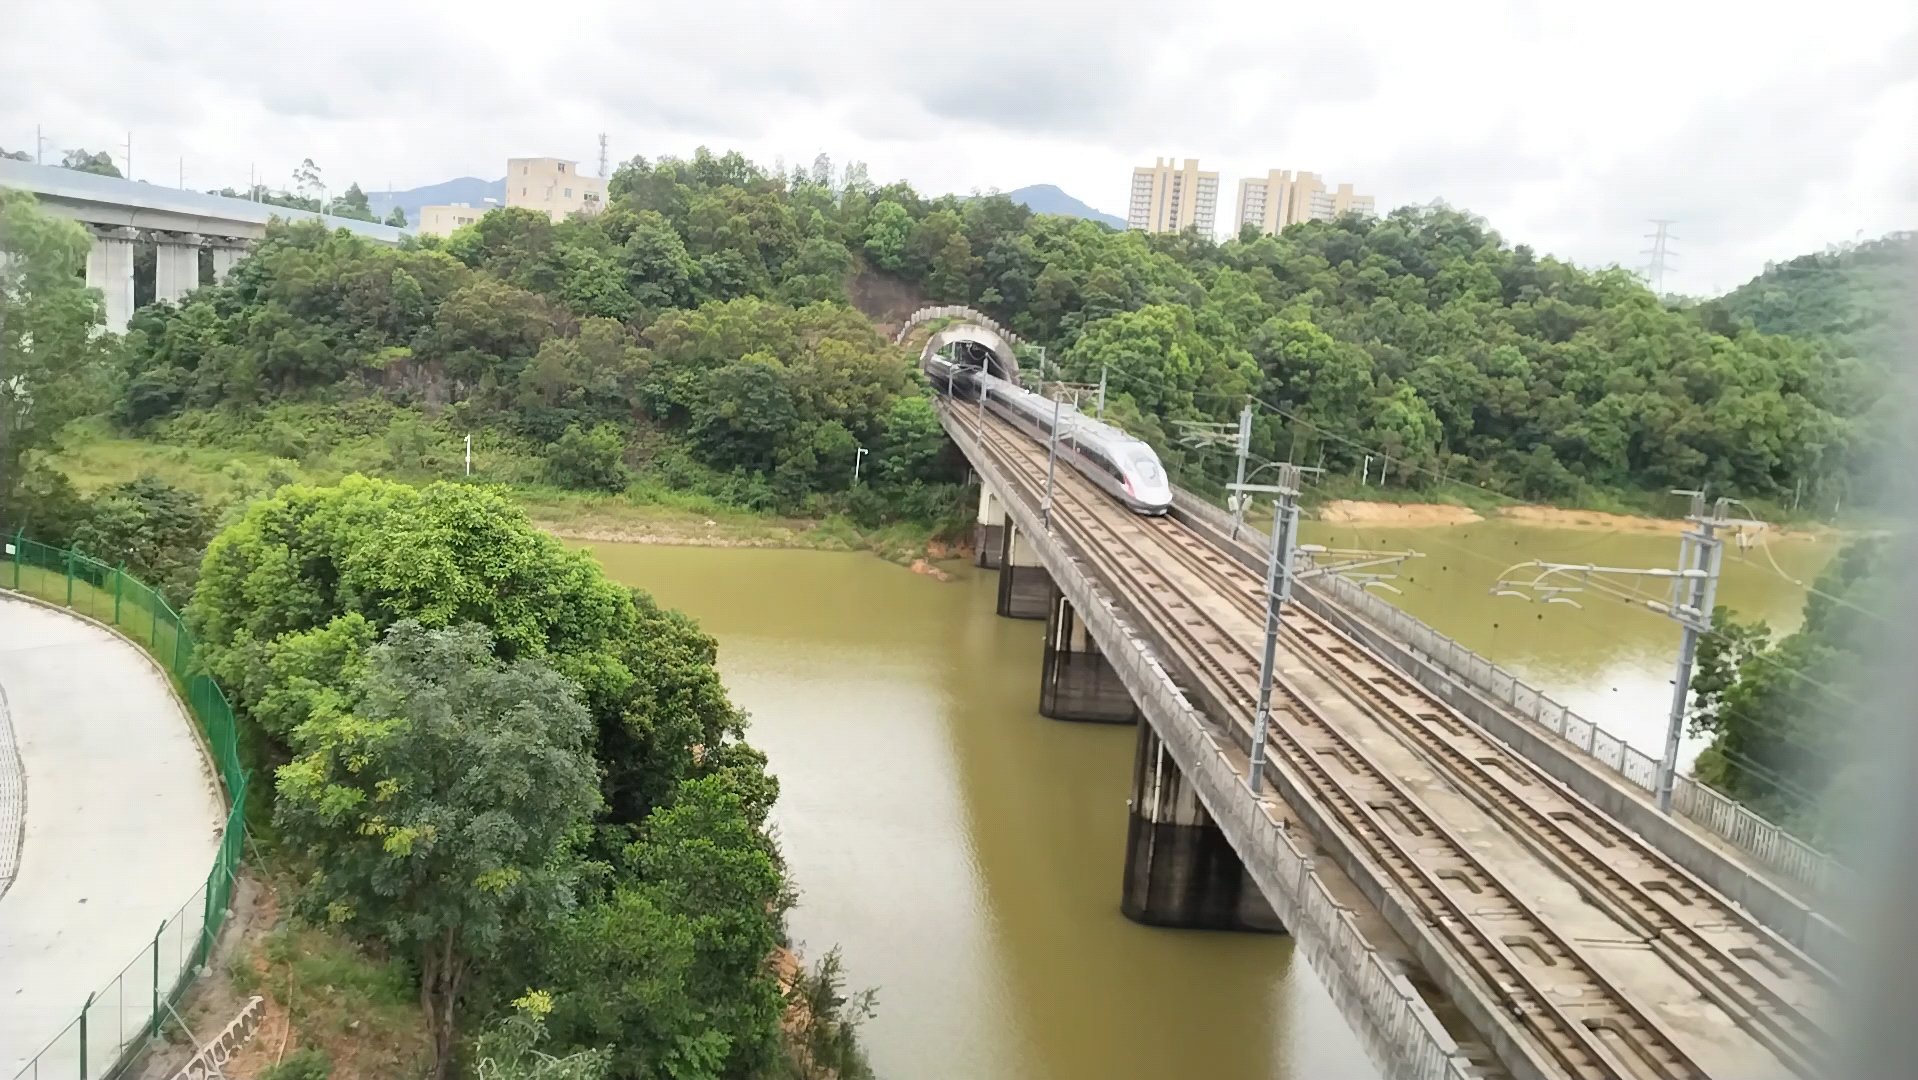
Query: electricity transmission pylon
1659, 252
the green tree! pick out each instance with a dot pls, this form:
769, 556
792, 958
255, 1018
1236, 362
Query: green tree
292, 594
157, 531
912, 442
1780, 713
671, 968
437, 803
353, 204
510, 1048
590, 460
887, 230
99, 164
53, 362
397, 218
826, 1019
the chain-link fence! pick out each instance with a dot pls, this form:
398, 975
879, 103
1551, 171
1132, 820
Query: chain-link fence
116, 1021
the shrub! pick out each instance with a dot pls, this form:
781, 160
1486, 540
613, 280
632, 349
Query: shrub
589, 460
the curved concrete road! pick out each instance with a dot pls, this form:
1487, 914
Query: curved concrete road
122, 818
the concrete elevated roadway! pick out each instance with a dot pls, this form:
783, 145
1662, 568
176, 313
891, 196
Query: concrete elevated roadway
121, 213
121, 821
1521, 929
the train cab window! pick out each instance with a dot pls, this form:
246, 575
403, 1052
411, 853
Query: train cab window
1147, 466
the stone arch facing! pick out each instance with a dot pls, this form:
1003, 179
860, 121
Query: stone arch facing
977, 327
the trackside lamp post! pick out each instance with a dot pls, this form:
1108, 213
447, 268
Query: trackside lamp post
1694, 588
858, 456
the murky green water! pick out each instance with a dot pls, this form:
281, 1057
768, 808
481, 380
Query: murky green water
1609, 660
966, 852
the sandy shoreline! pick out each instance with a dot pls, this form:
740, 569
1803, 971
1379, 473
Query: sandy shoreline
1426, 515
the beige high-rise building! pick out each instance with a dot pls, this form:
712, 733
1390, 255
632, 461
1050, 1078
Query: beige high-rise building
1279, 199
1168, 198
553, 185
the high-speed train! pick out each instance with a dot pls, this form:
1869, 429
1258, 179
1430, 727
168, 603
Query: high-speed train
1123, 466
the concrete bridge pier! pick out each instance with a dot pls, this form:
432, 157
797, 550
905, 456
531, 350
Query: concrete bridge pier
1180, 871
226, 254
1077, 682
1025, 588
110, 269
176, 265
988, 536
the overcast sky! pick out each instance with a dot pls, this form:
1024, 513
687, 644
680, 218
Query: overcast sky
1765, 129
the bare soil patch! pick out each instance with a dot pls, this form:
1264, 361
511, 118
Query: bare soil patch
1354, 512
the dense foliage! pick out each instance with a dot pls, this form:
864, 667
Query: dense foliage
536, 781
758, 401
1784, 714
52, 362
1856, 297
1424, 336
705, 314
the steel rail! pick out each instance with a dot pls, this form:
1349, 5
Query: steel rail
1580, 1019
1767, 987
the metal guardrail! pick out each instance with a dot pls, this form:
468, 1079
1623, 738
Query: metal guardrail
1713, 810
116, 1022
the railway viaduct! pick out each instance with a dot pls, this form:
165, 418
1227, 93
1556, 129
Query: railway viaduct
1481, 894
119, 214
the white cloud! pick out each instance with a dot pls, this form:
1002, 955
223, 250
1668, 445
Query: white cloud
1765, 129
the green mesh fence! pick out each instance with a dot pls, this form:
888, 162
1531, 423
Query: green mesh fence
116, 1021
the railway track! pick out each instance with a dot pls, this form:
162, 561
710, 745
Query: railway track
1573, 1014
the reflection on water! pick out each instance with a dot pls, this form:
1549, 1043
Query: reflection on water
965, 851
1609, 660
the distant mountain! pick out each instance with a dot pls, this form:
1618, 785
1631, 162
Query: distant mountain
1046, 199
467, 189
1039, 198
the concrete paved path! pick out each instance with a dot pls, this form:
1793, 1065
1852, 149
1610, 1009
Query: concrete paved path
122, 821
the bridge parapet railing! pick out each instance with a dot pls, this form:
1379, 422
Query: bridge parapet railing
1717, 812
1713, 810
117, 1021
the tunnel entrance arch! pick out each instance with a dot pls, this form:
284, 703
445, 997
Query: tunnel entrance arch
985, 334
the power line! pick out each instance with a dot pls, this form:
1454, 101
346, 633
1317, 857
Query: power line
1500, 496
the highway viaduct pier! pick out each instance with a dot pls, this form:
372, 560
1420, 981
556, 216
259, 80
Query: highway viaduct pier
120, 215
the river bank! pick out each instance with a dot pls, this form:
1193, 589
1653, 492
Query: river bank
1393, 515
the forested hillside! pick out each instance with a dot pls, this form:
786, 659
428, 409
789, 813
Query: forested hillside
698, 330
1857, 297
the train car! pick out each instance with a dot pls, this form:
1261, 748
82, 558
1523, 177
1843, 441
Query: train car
1124, 467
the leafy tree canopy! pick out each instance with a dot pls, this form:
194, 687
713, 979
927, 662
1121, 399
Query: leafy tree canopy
53, 362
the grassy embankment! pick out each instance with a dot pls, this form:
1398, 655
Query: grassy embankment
95, 456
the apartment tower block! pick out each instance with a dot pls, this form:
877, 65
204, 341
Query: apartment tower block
1279, 199
1170, 198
